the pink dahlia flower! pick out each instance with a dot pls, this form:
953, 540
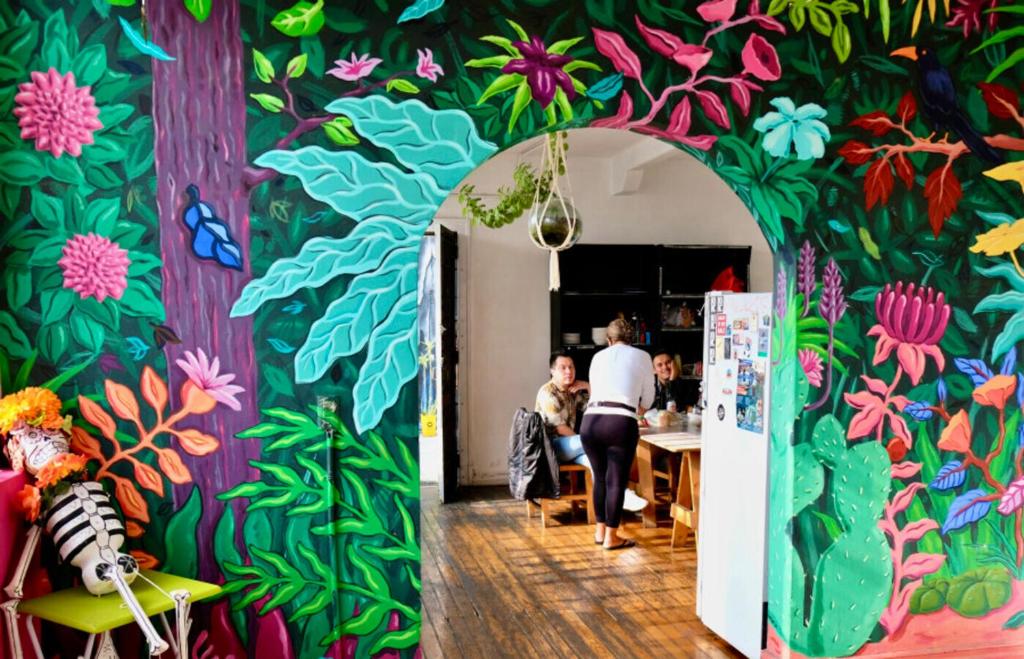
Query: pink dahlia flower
206, 375
912, 322
57, 114
811, 363
94, 266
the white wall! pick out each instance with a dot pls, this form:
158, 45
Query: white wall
505, 329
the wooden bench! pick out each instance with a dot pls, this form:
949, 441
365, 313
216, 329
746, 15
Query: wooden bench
572, 492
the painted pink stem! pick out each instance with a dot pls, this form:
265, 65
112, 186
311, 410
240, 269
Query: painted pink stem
725, 26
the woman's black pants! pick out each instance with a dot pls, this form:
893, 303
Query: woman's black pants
610, 443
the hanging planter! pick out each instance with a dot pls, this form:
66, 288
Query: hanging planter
554, 222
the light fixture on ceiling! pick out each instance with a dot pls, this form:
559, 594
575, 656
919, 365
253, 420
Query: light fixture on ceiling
554, 222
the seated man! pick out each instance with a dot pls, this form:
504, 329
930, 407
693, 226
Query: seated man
561, 401
667, 385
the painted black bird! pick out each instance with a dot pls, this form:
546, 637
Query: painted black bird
939, 103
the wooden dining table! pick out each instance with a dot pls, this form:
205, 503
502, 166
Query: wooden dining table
681, 439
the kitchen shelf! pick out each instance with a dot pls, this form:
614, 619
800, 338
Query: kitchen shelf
682, 329
603, 294
683, 296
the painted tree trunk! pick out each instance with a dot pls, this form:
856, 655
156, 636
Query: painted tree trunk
199, 119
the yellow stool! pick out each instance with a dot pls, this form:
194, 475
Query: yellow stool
78, 609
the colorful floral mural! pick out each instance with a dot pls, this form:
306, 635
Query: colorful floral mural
211, 224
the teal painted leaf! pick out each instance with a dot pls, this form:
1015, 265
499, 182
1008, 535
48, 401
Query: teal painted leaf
199, 8
441, 143
144, 46
1012, 334
349, 322
419, 9
322, 259
607, 88
181, 535
1007, 272
358, 188
963, 319
281, 346
139, 300
1015, 621
390, 363
12, 339
300, 20
87, 332
995, 218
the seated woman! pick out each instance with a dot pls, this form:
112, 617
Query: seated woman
668, 387
561, 401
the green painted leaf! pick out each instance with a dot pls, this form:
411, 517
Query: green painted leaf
268, 102
350, 321
443, 144
522, 98
402, 85
101, 215
339, 131
301, 20
21, 167
322, 259
1017, 619
963, 319
375, 580
199, 8
139, 300
18, 282
55, 305
1012, 334
297, 66
400, 639
87, 332
314, 51
12, 339
53, 341
501, 84
264, 67
180, 537
494, 62
47, 210
831, 525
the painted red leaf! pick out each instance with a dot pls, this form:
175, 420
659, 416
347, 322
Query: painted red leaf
943, 192
713, 108
133, 529
918, 565
856, 152
907, 108
914, 531
149, 478
145, 560
905, 170
741, 96
131, 501
660, 41
1002, 101
613, 46
172, 466
877, 123
878, 183
621, 117
97, 416
905, 469
902, 500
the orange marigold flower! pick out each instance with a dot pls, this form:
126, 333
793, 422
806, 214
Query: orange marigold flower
996, 391
60, 468
957, 435
35, 406
30, 502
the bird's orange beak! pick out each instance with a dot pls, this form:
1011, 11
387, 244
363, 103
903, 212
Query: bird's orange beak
910, 52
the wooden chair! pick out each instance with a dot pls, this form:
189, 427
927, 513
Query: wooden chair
570, 492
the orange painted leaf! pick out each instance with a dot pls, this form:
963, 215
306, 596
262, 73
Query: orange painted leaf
133, 529
195, 442
907, 108
878, 183
97, 416
905, 170
877, 123
84, 443
153, 389
131, 501
943, 192
172, 466
856, 152
196, 401
149, 478
145, 560
122, 401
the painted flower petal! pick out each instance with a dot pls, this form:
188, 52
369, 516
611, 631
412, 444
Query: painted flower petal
777, 141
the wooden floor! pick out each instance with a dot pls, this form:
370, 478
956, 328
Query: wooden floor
496, 584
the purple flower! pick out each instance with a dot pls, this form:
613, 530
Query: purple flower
781, 284
110, 363
543, 70
832, 304
206, 375
911, 321
1020, 392
805, 274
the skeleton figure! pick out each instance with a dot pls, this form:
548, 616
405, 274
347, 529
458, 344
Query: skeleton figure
86, 530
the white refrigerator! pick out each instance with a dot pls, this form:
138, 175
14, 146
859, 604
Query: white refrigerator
731, 552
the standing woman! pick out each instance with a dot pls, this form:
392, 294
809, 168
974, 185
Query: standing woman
621, 386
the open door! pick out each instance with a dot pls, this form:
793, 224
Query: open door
448, 260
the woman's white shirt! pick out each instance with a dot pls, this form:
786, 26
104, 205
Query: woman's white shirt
621, 374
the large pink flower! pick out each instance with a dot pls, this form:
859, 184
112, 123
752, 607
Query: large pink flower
94, 266
55, 113
354, 68
206, 376
810, 361
426, 67
911, 321
760, 59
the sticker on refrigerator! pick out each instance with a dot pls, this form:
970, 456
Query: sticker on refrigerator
720, 322
762, 341
727, 348
750, 395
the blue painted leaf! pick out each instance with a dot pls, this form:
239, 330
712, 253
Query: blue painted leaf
229, 255
919, 410
137, 347
294, 307
315, 217
977, 370
1020, 436
322, 259
1020, 392
606, 89
1010, 362
281, 346
966, 509
443, 144
419, 9
212, 240
142, 45
358, 188
840, 227
349, 322
940, 389
390, 363
948, 477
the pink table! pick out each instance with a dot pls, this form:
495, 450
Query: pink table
12, 537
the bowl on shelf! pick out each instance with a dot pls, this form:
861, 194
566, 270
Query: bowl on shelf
571, 338
599, 335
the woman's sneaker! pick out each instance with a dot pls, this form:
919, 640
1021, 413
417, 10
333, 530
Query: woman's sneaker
633, 502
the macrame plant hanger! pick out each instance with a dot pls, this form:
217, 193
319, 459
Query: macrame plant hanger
552, 159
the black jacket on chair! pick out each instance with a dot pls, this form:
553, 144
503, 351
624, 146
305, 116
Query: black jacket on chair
532, 465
